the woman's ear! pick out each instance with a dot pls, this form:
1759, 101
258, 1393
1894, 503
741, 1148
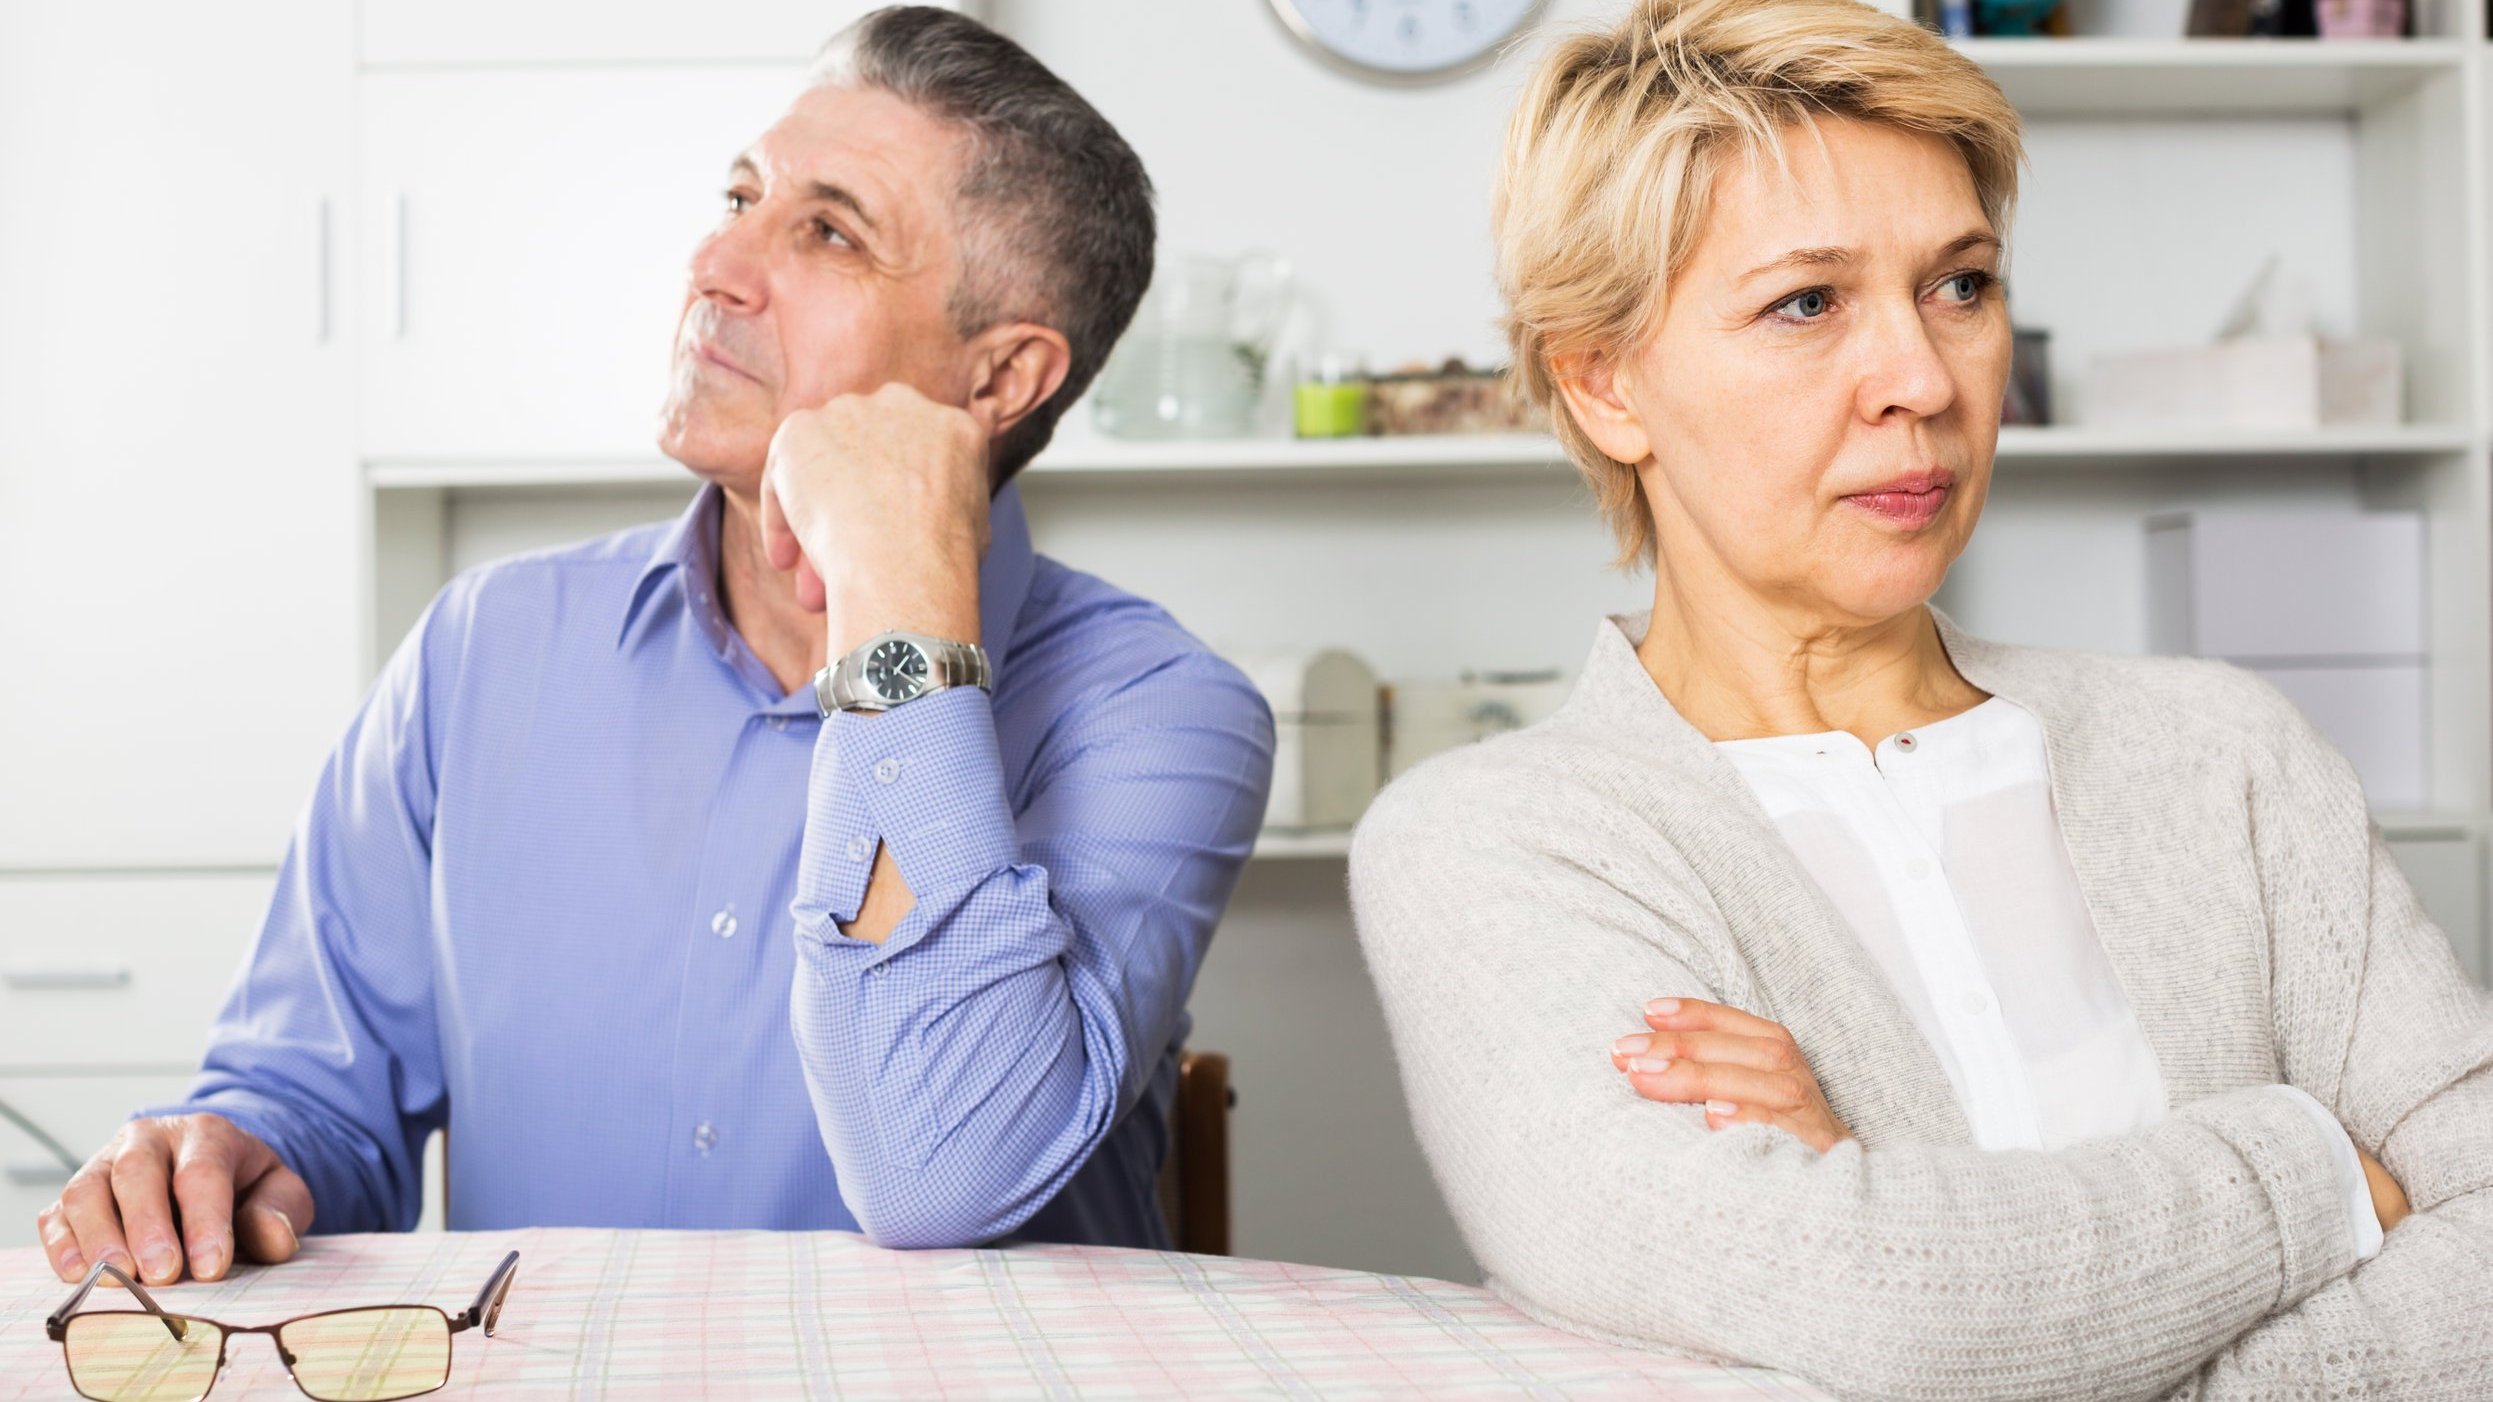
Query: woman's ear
1591, 387
1015, 368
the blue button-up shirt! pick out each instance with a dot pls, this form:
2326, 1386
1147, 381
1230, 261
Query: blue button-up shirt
570, 886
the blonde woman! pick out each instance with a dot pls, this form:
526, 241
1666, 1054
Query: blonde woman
1828, 989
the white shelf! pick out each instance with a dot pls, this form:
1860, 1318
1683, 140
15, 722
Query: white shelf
2211, 77
1272, 845
1433, 455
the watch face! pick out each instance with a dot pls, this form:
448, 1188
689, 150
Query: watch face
896, 670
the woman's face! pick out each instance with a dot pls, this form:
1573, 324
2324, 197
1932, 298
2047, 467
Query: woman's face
1816, 415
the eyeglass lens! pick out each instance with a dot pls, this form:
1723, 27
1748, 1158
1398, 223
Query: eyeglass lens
123, 1356
369, 1355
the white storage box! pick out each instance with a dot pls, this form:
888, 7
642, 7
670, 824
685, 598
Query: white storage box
1423, 718
2255, 382
1326, 750
2266, 583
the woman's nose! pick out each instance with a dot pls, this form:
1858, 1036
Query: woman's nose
1904, 369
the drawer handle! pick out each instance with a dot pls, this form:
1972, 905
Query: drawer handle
37, 1174
54, 980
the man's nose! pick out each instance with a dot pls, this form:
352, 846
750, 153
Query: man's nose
727, 266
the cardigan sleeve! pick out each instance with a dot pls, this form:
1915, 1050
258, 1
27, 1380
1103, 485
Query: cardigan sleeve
2379, 1022
1507, 954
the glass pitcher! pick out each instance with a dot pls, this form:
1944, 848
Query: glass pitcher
1192, 364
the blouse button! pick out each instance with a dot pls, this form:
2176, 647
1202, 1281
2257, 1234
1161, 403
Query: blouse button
1976, 1005
1905, 740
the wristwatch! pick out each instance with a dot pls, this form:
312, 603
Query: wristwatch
891, 668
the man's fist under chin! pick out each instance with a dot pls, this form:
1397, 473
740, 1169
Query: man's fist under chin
879, 503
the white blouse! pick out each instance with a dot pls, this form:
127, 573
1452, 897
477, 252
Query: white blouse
1942, 851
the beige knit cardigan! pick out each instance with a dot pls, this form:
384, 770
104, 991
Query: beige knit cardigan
1521, 899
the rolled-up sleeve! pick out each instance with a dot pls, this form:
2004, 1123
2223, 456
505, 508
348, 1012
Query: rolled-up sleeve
965, 1067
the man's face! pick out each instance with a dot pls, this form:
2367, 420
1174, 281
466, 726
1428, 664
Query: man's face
828, 274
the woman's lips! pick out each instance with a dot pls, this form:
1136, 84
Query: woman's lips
1905, 508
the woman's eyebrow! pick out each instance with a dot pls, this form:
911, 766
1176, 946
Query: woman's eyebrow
1836, 257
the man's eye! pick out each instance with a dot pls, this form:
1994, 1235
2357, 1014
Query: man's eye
829, 232
738, 202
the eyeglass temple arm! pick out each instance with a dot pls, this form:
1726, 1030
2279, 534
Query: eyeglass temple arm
488, 1306
57, 1324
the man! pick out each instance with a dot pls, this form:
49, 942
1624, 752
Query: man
596, 884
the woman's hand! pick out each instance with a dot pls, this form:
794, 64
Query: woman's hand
2388, 1199
1742, 1068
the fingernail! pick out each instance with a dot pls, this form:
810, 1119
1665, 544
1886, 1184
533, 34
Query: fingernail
159, 1258
208, 1258
292, 1239
1662, 1007
1650, 1065
1721, 1107
72, 1264
1631, 1044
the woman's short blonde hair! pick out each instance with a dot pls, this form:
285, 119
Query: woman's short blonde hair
1613, 150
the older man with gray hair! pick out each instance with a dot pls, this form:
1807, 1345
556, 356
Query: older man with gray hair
823, 859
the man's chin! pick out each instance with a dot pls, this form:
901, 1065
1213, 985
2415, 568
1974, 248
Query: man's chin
734, 465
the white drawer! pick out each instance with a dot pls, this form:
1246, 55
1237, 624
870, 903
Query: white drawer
81, 1112
123, 971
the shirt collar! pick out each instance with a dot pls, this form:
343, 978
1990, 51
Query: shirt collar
688, 551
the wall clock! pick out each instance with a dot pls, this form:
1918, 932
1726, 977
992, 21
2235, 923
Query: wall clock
1406, 41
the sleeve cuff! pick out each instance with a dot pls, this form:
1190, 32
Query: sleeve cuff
2351, 1184
925, 779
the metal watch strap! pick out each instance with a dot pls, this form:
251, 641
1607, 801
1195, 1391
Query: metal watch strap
842, 685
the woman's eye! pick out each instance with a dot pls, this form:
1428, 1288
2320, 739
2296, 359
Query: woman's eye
1967, 286
1804, 306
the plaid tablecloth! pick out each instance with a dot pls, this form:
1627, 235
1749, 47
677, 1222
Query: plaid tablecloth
680, 1315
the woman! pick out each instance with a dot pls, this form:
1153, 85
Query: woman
1998, 1022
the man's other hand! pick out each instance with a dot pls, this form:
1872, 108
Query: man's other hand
878, 502
174, 1191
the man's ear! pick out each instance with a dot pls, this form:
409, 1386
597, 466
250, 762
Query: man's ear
1590, 386
1016, 367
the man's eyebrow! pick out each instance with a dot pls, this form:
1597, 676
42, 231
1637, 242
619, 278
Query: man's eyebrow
744, 168
840, 195
1831, 257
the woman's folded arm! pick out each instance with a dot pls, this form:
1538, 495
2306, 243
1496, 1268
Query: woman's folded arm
2112, 1269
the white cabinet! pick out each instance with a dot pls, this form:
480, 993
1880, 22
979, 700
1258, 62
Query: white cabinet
72, 1116
120, 971
530, 234
598, 31
178, 504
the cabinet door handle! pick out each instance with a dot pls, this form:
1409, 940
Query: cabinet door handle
396, 265
320, 327
34, 1173
55, 980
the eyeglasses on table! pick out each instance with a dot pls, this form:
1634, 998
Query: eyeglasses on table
374, 1353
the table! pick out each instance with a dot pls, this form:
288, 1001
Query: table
657, 1314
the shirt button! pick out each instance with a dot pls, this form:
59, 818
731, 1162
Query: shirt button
887, 771
1905, 740
723, 924
882, 970
779, 723
704, 1139
857, 849
1917, 868
1976, 1005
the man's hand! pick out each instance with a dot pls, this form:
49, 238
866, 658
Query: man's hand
2388, 1199
879, 503
1742, 1068
181, 1189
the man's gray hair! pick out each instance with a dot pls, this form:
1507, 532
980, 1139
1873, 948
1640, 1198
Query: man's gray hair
1054, 210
